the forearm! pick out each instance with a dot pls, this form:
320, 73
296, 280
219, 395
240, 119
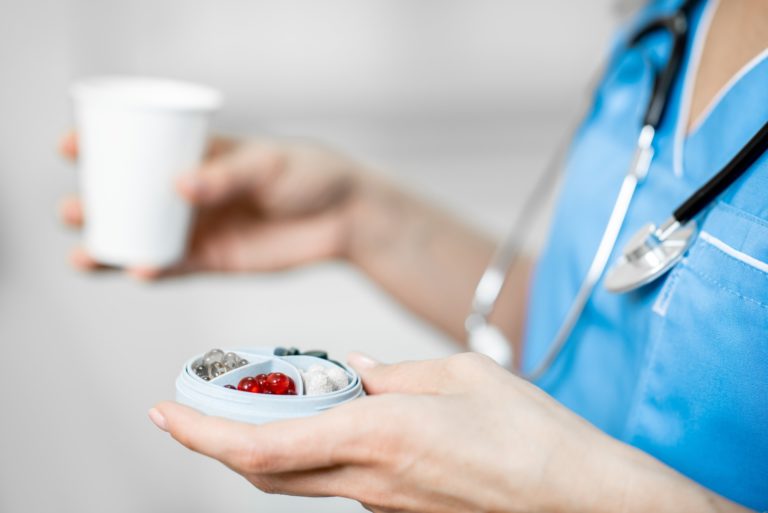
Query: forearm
427, 259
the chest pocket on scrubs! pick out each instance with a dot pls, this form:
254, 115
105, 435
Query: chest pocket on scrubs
702, 402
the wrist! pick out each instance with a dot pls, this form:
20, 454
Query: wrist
373, 217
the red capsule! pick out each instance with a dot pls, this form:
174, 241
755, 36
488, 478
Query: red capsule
249, 384
261, 379
279, 384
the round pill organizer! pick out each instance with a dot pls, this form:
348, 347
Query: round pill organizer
212, 398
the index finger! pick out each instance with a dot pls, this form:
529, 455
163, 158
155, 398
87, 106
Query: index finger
435, 377
282, 446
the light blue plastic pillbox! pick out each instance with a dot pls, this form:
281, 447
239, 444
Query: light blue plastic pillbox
211, 398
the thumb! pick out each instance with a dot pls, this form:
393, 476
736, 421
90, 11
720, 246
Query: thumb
413, 377
244, 172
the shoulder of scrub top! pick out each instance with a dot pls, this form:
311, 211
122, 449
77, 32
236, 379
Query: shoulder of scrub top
630, 26
617, 50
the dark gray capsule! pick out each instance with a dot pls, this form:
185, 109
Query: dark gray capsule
316, 353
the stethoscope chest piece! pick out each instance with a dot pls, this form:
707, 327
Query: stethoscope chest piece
649, 254
653, 251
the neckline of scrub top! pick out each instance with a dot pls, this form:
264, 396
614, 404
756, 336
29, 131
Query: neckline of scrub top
745, 87
718, 98
738, 114
682, 135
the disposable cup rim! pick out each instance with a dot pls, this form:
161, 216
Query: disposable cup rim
191, 97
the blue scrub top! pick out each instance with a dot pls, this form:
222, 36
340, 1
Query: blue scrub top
678, 368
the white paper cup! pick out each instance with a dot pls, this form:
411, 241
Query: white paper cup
135, 136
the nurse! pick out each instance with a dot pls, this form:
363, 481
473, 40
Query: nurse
659, 401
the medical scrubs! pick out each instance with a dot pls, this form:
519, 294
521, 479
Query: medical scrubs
678, 368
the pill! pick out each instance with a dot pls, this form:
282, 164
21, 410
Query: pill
316, 353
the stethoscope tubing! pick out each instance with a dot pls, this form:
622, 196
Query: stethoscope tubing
732, 171
508, 252
596, 269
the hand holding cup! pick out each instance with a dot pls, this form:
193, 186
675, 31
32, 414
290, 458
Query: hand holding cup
257, 205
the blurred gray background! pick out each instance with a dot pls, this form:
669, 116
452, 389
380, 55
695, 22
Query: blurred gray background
462, 100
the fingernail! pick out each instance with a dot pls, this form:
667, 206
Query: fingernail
361, 361
157, 418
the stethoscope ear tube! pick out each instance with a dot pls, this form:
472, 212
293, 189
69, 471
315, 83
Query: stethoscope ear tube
722, 180
677, 26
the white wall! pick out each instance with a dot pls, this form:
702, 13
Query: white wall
346, 57
460, 99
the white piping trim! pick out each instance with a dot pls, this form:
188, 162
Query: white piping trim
735, 253
757, 59
690, 77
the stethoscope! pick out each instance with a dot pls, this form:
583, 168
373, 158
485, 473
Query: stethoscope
651, 252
